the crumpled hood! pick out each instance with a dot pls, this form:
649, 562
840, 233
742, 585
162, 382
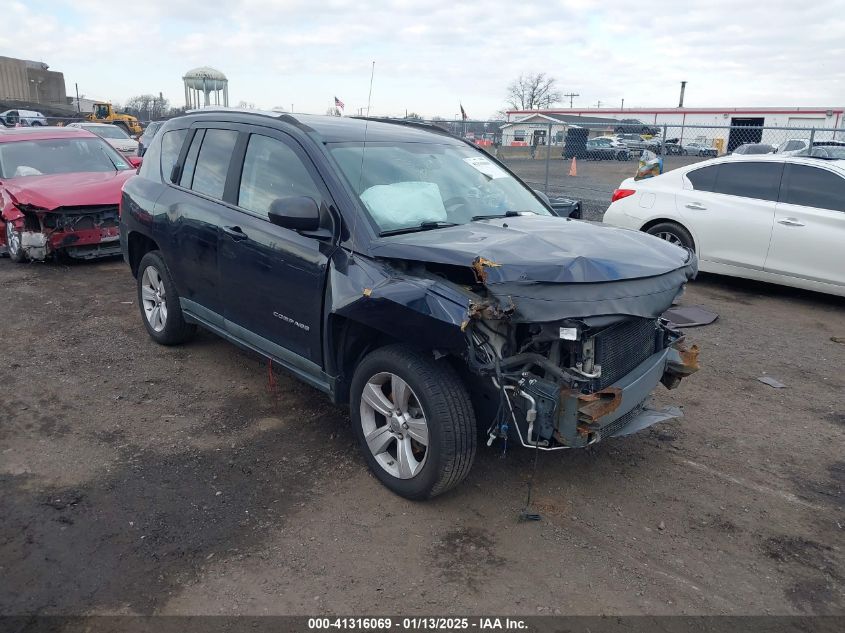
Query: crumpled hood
532, 248
68, 190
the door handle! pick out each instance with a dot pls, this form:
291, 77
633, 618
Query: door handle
696, 206
790, 222
235, 232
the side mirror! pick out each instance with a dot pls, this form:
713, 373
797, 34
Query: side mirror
299, 213
543, 197
135, 161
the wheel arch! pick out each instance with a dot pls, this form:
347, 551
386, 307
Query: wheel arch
347, 343
139, 245
659, 220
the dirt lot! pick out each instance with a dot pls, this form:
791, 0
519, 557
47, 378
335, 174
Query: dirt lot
138, 478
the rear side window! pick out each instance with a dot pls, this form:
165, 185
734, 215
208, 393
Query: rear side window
171, 146
187, 177
273, 170
212, 163
813, 187
760, 181
703, 179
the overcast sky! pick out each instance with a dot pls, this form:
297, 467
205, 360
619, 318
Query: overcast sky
431, 54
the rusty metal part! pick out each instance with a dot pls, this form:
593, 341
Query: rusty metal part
689, 357
596, 405
489, 310
682, 362
593, 406
478, 266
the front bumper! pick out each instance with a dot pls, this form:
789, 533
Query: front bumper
581, 419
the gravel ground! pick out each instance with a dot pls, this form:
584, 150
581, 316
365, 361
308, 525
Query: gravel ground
143, 479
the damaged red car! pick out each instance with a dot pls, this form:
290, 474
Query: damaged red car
59, 194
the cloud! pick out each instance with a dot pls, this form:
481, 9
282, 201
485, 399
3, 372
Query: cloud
431, 55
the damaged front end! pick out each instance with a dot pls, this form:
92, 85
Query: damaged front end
577, 381
81, 232
568, 342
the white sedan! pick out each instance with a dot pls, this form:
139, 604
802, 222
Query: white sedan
111, 134
772, 218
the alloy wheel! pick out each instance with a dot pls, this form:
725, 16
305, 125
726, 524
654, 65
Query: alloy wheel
669, 237
13, 240
153, 297
394, 425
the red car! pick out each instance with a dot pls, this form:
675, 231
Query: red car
59, 193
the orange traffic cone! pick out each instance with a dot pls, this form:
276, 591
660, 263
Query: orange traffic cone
573, 168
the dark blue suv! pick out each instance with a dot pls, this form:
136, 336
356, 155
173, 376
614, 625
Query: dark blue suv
409, 274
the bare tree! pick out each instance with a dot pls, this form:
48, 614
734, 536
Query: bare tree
533, 92
148, 107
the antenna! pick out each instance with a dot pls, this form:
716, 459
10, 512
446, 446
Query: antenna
363, 150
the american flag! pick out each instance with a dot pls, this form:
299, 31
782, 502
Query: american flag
338, 103
463, 112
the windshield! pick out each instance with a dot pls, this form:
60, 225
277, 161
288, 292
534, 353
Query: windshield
406, 185
58, 156
152, 128
107, 131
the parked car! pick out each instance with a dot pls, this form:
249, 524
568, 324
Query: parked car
829, 152
672, 147
113, 135
605, 149
635, 126
25, 117
768, 217
147, 137
633, 142
698, 149
59, 193
754, 148
408, 273
796, 146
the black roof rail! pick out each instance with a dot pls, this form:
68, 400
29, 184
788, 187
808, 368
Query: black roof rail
423, 125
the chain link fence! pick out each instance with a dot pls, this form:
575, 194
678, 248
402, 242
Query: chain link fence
588, 161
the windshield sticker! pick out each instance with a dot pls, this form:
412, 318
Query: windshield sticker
487, 168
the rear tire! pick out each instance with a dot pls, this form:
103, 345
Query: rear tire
420, 405
673, 233
159, 302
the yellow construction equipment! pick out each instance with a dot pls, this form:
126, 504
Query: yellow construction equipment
104, 113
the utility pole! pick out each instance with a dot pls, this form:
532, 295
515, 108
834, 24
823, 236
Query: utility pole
623, 104
683, 89
571, 96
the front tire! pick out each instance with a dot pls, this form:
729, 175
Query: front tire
673, 233
414, 421
14, 245
159, 302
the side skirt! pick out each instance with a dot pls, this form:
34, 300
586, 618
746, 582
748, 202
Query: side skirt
300, 367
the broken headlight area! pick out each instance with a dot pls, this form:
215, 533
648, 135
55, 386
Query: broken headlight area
80, 232
570, 383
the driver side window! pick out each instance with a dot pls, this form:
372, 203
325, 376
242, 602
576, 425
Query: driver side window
273, 170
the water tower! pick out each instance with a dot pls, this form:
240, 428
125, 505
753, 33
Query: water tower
205, 83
